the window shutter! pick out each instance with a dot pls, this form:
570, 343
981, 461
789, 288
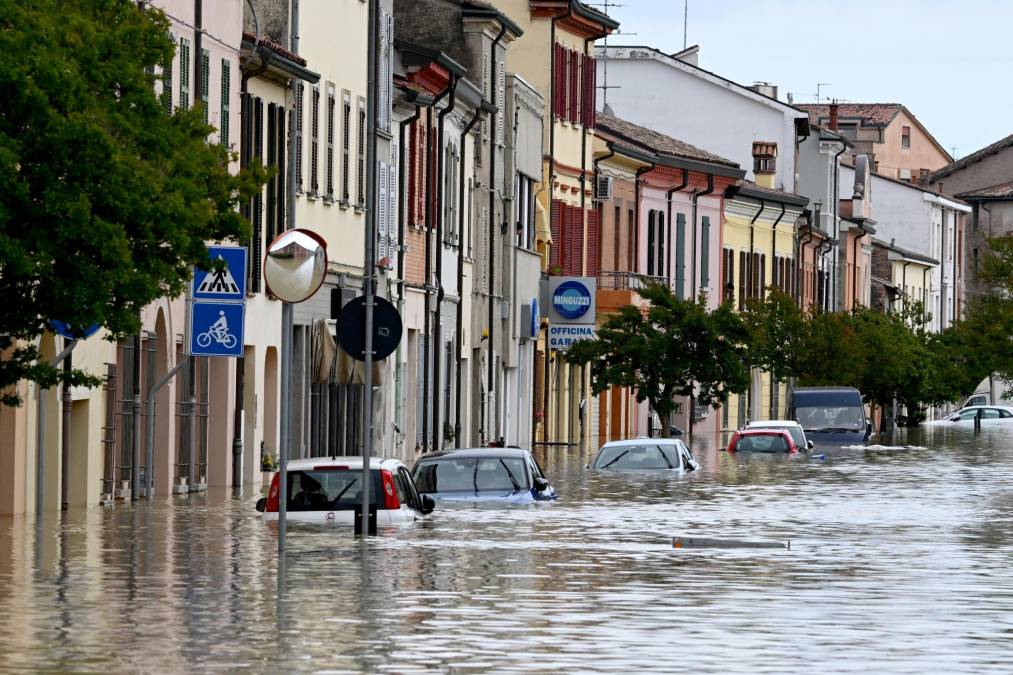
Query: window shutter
184, 73
205, 81
593, 242
314, 141
329, 176
574, 86
381, 212
386, 40
258, 199
661, 244
559, 89
273, 113
705, 238
167, 82
556, 228
486, 92
393, 191
223, 122
650, 242
763, 276
346, 144
280, 177
298, 133
590, 90
743, 276
680, 255
500, 101
576, 248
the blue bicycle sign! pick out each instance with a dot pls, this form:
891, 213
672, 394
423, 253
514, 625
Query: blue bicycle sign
216, 329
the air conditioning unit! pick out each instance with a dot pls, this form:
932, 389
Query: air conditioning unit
603, 187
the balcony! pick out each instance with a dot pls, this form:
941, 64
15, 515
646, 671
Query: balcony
618, 289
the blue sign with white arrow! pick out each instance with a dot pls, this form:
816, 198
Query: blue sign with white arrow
216, 328
227, 284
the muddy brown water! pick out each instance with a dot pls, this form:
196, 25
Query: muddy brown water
900, 561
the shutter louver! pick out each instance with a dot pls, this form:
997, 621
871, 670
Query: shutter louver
705, 262
556, 229
593, 242
573, 85
394, 203
381, 212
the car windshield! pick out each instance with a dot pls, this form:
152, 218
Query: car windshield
634, 457
329, 489
471, 474
846, 418
764, 443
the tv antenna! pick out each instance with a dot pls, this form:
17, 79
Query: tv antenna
604, 86
818, 85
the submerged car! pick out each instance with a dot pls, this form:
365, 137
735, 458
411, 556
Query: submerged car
990, 414
508, 475
645, 454
329, 489
791, 426
763, 440
830, 415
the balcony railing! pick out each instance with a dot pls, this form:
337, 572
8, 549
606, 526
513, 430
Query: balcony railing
627, 281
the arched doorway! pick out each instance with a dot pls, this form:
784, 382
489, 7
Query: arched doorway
270, 424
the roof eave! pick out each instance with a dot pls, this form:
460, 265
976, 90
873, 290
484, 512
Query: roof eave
746, 191
500, 17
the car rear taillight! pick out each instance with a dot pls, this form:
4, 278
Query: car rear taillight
272, 494
390, 500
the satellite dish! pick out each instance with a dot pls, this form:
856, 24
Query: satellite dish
295, 265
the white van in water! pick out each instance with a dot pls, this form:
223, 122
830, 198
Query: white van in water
990, 391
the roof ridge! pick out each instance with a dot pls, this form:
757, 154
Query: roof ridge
971, 158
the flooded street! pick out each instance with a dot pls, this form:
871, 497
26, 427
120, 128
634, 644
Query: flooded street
899, 562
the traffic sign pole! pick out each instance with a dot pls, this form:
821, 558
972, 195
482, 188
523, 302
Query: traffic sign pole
370, 258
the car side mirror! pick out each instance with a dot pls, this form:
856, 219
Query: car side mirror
541, 484
810, 445
428, 504
262, 504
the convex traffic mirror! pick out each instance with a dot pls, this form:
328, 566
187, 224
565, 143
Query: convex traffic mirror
295, 265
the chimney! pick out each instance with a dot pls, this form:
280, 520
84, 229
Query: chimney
833, 115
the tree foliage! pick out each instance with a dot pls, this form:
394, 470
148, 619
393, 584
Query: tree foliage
106, 201
671, 348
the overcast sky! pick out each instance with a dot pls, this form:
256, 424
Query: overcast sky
949, 61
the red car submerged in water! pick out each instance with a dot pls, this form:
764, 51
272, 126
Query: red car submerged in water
763, 440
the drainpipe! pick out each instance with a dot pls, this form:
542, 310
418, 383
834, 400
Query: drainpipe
800, 241
696, 199
460, 278
668, 200
438, 431
493, 87
854, 276
823, 266
925, 291
773, 239
942, 272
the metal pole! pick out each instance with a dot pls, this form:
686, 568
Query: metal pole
371, 89
149, 474
65, 434
286, 421
135, 444
237, 426
40, 444
294, 136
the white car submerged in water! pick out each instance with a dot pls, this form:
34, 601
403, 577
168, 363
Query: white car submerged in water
990, 415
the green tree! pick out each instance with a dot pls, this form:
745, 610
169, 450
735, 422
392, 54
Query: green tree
106, 201
672, 348
777, 334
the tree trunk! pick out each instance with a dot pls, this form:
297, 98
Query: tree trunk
666, 425
692, 413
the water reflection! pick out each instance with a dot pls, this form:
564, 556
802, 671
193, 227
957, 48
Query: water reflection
898, 563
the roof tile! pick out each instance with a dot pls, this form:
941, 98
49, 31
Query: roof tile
653, 141
1000, 191
871, 114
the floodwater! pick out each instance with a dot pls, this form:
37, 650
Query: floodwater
901, 560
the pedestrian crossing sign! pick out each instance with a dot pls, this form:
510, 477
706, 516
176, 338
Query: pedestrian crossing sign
228, 283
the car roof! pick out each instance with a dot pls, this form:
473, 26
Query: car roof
772, 424
351, 461
474, 452
998, 407
641, 441
763, 432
